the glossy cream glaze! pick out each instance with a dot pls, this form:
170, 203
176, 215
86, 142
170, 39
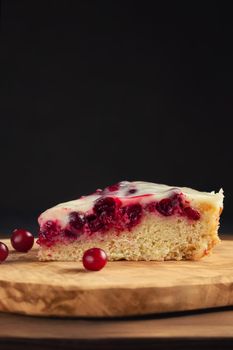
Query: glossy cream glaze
129, 193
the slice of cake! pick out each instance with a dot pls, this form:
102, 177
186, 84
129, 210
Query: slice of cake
133, 221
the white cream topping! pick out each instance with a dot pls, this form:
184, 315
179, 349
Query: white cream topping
148, 190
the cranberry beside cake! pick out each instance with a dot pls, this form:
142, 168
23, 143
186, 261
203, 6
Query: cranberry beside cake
133, 221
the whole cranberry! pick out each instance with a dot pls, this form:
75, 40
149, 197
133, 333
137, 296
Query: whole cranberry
165, 207
3, 252
131, 215
77, 220
22, 240
94, 259
105, 206
94, 223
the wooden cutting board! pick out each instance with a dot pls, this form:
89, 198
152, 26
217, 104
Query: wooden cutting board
121, 289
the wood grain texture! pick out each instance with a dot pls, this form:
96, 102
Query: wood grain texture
198, 330
199, 324
121, 289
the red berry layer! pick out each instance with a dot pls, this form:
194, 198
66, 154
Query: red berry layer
110, 212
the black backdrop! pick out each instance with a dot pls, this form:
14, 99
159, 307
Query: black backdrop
97, 92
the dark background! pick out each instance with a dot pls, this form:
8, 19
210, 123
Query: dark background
97, 92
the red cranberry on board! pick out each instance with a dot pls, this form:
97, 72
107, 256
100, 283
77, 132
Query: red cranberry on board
94, 259
3, 252
22, 240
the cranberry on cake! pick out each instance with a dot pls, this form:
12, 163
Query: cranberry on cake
133, 221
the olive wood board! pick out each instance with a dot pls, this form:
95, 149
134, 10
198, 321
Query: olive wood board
122, 288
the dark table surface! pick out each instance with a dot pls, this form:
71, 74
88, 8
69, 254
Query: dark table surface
192, 330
